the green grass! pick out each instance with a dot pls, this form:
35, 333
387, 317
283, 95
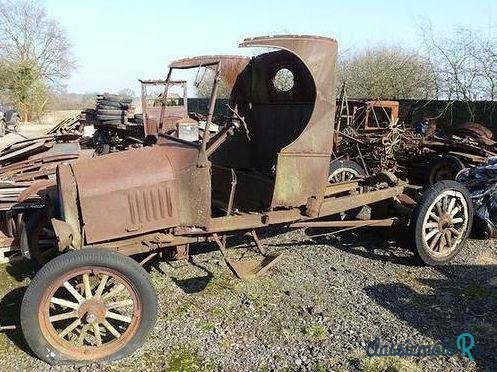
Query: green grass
207, 327
317, 332
388, 364
186, 359
358, 360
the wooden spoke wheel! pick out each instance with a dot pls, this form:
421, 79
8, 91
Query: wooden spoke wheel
37, 237
344, 170
442, 222
86, 306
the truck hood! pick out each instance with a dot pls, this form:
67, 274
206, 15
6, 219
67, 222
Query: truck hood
130, 192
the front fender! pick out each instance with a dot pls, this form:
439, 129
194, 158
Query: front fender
39, 191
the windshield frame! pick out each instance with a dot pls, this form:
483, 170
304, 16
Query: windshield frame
213, 95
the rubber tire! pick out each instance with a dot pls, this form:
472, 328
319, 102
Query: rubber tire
112, 104
334, 166
108, 107
29, 223
449, 160
421, 254
101, 143
72, 260
110, 117
337, 164
119, 99
111, 112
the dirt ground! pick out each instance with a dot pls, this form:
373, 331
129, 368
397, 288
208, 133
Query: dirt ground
316, 311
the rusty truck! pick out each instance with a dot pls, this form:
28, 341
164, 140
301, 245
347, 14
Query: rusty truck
267, 166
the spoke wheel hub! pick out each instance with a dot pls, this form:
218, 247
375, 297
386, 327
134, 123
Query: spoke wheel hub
90, 310
445, 222
94, 309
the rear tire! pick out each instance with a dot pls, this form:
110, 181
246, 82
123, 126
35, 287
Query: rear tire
344, 170
441, 222
114, 321
444, 168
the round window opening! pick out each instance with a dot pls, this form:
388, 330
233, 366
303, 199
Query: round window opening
283, 80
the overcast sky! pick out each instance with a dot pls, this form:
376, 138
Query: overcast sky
118, 41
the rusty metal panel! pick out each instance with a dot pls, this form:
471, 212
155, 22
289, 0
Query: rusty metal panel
319, 56
230, 65
126, 193
292, 186
68, 200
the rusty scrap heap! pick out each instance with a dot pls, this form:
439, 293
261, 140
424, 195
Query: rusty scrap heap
370, 133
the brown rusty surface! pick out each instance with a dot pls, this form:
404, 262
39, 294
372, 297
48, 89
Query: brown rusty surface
127, 193
344, 203
276, 144
68, 201
312, 146
230, 65
158, 115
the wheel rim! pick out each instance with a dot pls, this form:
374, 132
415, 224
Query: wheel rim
43, 245
90, 313
342, 175
445, 223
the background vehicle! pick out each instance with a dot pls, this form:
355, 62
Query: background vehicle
9, 119
268, 165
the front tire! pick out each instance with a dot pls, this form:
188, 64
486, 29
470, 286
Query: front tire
86, 306
441, 222
37, 239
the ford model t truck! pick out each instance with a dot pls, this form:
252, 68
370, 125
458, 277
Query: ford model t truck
268, 165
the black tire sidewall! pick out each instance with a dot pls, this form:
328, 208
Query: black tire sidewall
72, 260
455, 163
120, 99
108, 112
30, 221
350, 164
421, 254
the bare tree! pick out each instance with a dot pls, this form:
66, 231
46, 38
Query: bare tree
387, 73
204, 82
34, 50
465, 60
486, 55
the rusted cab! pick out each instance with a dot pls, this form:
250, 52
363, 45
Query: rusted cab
281, 162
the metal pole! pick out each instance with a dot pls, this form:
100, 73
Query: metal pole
212, 105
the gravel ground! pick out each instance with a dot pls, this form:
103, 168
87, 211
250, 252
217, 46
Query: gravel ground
317, 310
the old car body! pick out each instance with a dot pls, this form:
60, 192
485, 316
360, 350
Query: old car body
168, 185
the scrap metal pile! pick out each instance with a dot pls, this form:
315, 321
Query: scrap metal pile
374, 137
382, 150
30, 160
117, 126
481, 181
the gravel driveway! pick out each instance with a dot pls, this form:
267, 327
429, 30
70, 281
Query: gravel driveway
316, 311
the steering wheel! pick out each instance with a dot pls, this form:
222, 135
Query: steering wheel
240, 119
